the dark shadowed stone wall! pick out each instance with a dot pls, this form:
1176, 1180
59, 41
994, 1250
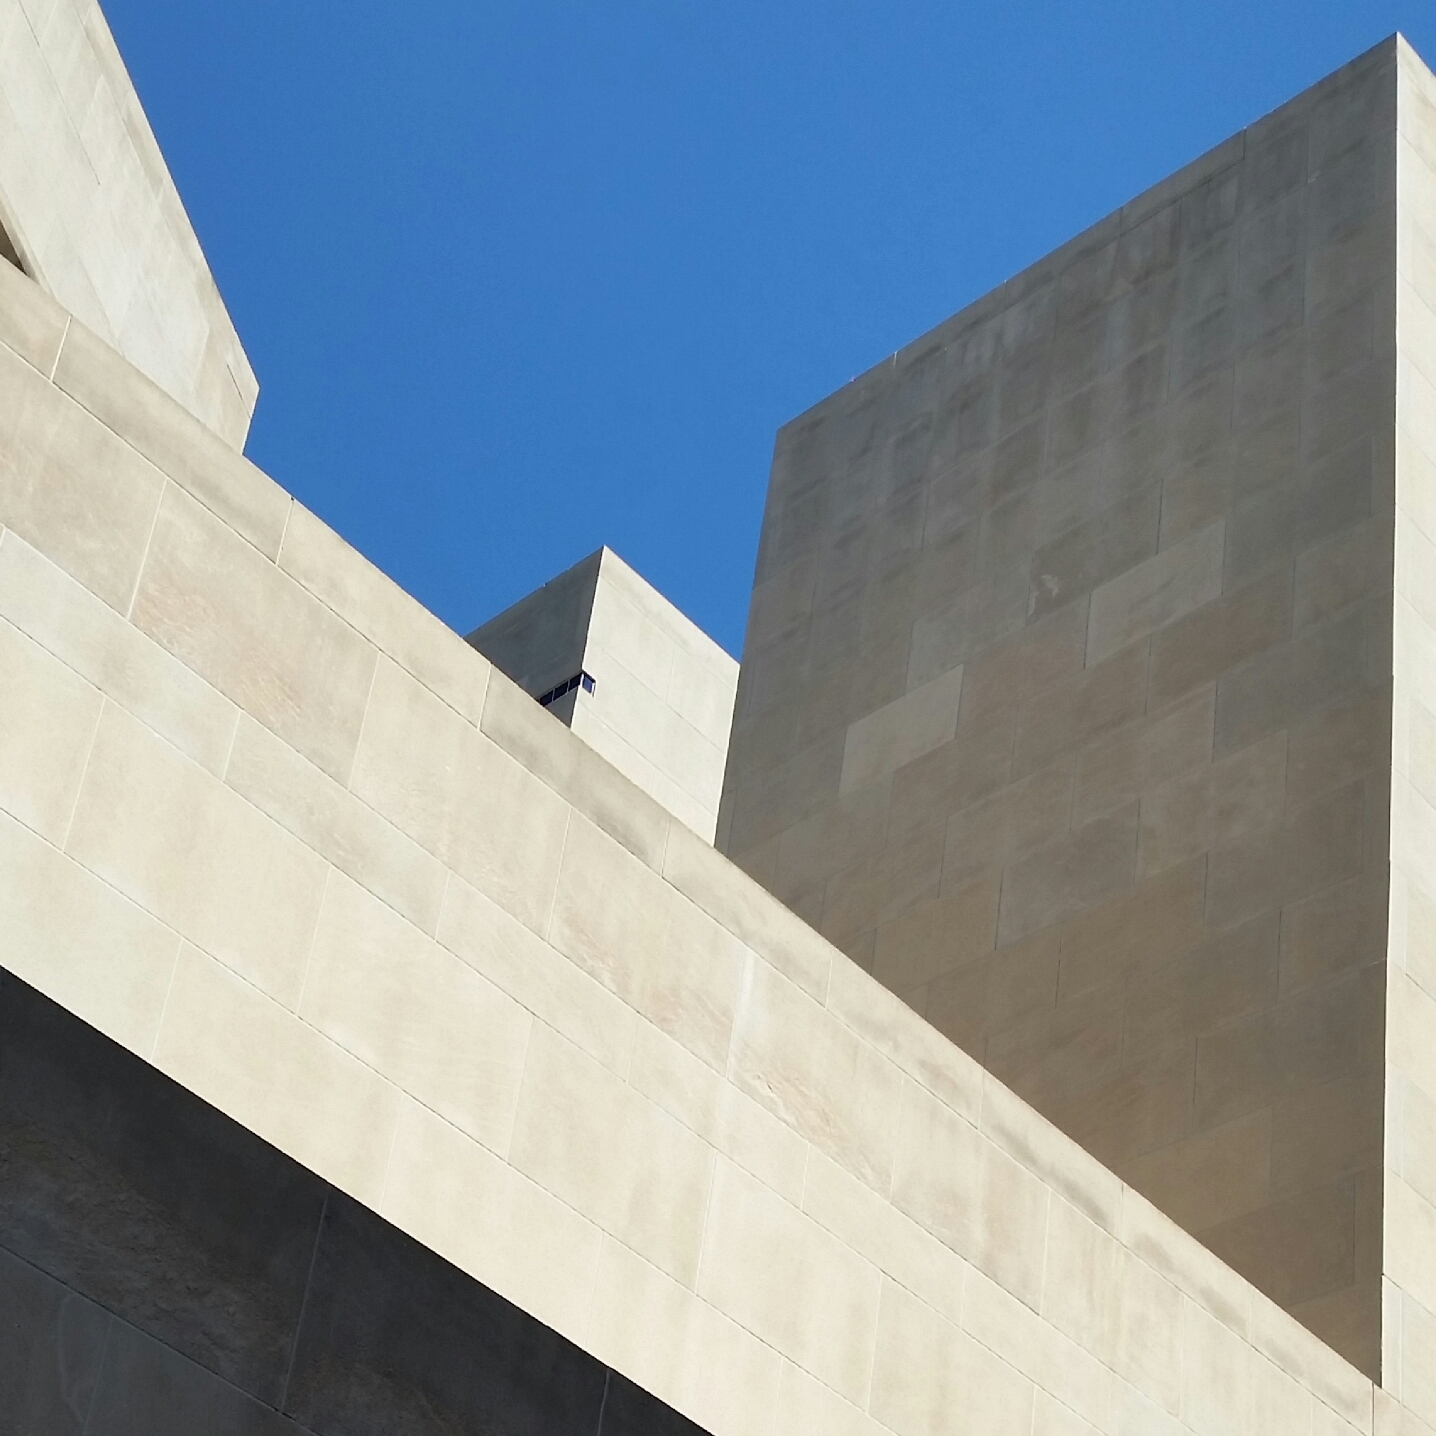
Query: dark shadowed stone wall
164, 1272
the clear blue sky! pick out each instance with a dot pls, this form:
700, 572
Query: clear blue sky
520, 279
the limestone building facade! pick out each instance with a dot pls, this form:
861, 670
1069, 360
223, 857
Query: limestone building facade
375, 1055
642, 684
89, 210
1067, 696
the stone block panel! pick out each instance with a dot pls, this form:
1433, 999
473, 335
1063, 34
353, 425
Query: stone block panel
44, 602
51, 1352
219, 872
92, 214
224, 610
72, 488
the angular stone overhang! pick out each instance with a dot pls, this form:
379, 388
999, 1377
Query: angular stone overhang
164, 1271
91, 213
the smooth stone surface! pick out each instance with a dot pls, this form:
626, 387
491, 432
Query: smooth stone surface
77, 139
52, 1342
396, 1340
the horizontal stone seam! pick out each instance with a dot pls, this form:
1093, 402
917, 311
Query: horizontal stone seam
473, 653
629, 673
662, 772
782, 1356
222, 777
149, 459
105, 692
393, 1085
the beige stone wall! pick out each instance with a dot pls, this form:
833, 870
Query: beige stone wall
1065, 702
1409, 1243
662, 704
272, 826
89, 203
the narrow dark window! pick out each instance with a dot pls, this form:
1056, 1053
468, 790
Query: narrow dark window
579, 679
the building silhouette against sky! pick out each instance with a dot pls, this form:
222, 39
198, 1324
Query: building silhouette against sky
1025, 1022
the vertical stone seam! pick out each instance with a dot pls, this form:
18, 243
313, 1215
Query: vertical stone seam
60, 348
443, 904
379, 656
99, 1373
1188, 1306
84, 773
1161, 508
1046, 1265
129, 613
884, 1282
394, 1137
547, 928
309, 962
662, 858
741, 1002
591, 1306
714, 1156
165, 1005
1086, 666
304, 1302
997, 922
1391, 1380
229, 751
603, 1404
505, 1155
1390, 1337
283, 536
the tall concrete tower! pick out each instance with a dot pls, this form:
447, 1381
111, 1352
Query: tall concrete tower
1088, 691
